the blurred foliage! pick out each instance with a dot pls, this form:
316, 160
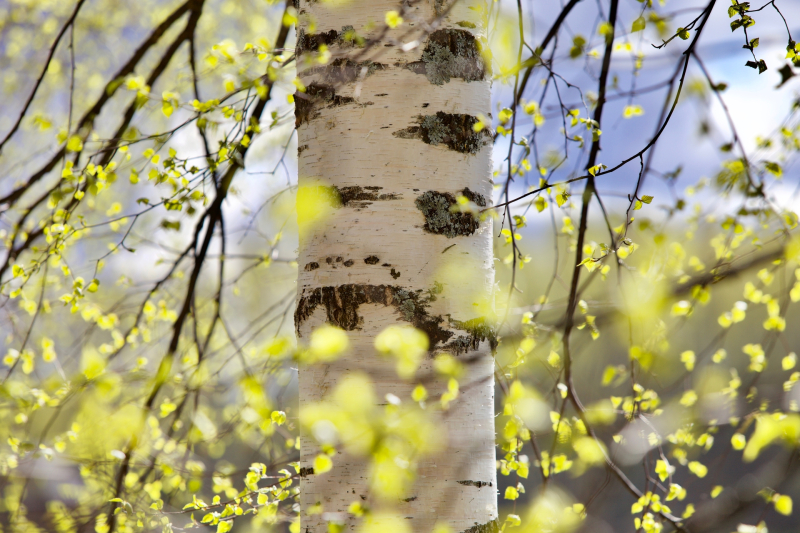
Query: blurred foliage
647, 380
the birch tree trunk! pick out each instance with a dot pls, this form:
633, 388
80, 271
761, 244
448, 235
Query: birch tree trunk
391, 131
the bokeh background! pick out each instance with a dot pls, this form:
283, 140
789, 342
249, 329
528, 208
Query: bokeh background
633, 305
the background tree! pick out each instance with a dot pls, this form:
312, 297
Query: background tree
646, 367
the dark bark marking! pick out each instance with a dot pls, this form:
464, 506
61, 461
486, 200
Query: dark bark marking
372, 260
332, 261
310, 42
451, 53
395, 274
307, 105
440, 6
440, 220
478, 331
411, 499
488, 527
361, 197
477, 484
454, 130
306, 471
342, 71
341, 306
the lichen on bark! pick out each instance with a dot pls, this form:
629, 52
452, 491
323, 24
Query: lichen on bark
437, 206
451, 53
454, 130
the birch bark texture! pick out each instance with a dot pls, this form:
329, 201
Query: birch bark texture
389, 133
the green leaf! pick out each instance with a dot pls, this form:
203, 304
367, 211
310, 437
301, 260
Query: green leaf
697, 468
647, 199
595, 169
322, 464
639, 24
172, 225
786, 73
608, 375
578, 43
774, 168
783, 504
74, 144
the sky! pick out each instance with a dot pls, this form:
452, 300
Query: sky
756, 106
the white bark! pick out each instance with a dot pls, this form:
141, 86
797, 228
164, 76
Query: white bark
361, 143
